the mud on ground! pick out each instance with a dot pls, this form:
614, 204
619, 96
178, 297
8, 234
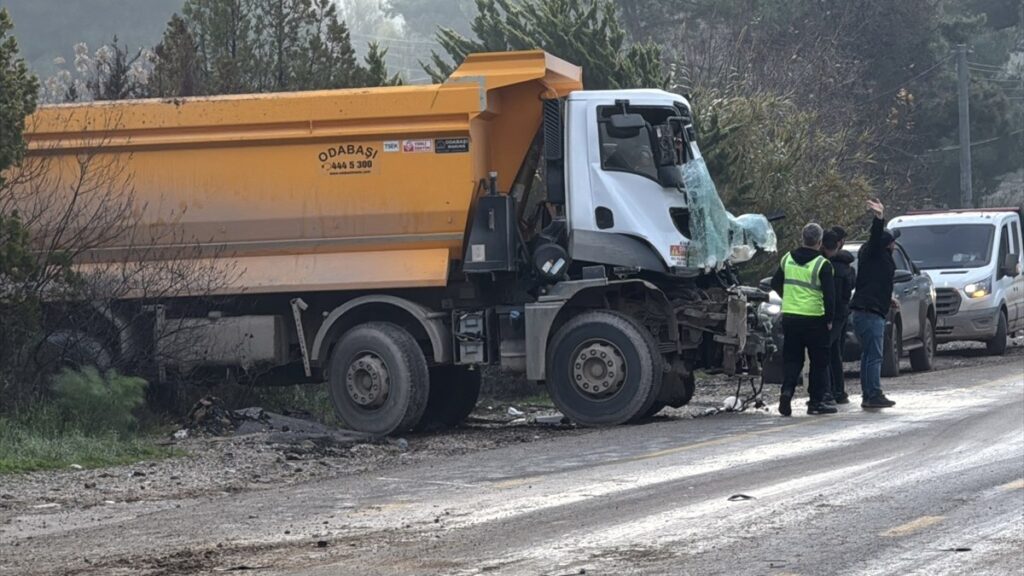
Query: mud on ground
227, 464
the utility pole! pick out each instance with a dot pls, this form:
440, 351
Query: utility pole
963, 81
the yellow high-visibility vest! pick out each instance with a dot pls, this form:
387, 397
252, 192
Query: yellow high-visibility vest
802, 295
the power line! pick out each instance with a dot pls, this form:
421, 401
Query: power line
903, 84
980, 65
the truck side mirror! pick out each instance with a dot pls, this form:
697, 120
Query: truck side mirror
625, 125
902, 276
1009, 266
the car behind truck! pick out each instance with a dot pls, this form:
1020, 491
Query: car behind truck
974, 257
391, 241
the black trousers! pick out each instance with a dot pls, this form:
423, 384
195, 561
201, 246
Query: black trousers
835, 359
805, 335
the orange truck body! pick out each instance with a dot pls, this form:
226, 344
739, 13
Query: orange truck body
315, 191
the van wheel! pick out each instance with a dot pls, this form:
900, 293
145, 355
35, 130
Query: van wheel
997, 345
892, 350
605, 369
921, 359
454, 391
378, 379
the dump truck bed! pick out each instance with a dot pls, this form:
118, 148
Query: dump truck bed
326, 190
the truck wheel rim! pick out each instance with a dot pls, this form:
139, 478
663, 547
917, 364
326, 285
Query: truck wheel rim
598, 369
367, 381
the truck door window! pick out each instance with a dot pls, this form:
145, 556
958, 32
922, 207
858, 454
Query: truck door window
1016, 248
631, 154
1004, 249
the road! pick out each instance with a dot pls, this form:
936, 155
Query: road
933, 486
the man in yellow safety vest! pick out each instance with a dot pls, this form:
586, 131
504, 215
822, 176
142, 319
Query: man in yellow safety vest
804, 280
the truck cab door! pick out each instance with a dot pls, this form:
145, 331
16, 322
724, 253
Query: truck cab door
618, 210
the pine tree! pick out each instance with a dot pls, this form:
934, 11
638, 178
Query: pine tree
376, 71
283, 46
585, 32
177, 62
223, 31
18, 89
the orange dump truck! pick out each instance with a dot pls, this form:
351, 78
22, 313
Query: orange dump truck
390, 241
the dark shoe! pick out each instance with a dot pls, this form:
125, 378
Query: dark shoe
784, 408
821, 408
844, 399
879, 401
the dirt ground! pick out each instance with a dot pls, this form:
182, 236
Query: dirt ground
230, 464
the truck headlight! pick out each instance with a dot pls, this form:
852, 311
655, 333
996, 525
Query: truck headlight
978, 289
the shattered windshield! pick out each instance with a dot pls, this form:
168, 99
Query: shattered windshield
948, 245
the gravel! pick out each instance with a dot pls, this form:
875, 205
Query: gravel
223, 465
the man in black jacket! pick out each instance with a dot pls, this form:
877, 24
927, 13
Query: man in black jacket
870, 305
804, 280
845, 278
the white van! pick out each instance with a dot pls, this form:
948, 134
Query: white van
974, 258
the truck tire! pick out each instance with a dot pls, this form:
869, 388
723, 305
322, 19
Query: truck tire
604, 369
454, 391
892, 350
676, 391
921, 359
72, 349
378, 379
997, 345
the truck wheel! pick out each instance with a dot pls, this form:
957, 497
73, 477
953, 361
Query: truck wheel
605, 369
378, 379
454, 391
921, 359
72, 349
892, 349
997, 345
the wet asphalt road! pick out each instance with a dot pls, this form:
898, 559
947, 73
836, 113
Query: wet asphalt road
933, 486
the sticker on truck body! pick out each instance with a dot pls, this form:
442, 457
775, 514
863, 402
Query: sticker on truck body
451, 145
348, 159
417, 146
392, 146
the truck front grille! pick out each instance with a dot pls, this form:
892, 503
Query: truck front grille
947, 301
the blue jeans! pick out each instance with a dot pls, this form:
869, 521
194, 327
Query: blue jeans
870, 330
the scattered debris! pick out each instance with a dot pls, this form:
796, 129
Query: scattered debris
181, 434
48, 506
958, 549
741, 498
75, 466
515, 412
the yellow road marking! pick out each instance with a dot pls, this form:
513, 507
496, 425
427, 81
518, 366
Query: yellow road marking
1015, 485
913, 526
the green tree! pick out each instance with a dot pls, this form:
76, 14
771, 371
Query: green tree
18, 89
18, 309
585, 32
226, 41
376, 70
331, 61
177, 62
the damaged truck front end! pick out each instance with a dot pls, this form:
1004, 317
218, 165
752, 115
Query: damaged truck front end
653, 246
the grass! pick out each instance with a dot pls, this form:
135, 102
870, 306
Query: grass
40, 441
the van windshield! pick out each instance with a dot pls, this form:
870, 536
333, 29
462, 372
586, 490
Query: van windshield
948, 245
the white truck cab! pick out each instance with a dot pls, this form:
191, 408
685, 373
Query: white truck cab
974, 258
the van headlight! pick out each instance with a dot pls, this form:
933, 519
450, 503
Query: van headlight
978, 289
